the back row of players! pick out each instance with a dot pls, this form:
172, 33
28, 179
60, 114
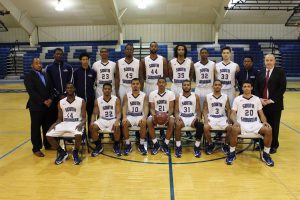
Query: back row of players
127, 77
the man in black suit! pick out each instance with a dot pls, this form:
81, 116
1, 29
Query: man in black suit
270, 86
40, 99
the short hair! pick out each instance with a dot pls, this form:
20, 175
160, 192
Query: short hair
34, 59
247, 82
161, 78
153, 42
84, 54
58, 49
226, 48
129, 44
203, 49
217, 80
250, 57
107, 84
187, 80
176, 48
103, 48
135, 79
70, 83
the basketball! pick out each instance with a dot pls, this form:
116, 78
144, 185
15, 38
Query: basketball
161, 118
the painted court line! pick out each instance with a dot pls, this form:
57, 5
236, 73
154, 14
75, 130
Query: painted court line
172, 195
293, 129
15, 148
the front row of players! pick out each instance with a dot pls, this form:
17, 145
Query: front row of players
245, 116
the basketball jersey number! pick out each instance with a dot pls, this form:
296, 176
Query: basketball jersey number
180, 75
248, 113
154, 71
224, 76
217, 111
186, 109
204, 76
108, 113
129, 75
105, 76
161, 108
135, 109
70, 115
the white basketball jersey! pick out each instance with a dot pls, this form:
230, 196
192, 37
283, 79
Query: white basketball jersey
247, 109
107, 109
105, 72
181, 71
226, 74
71, 111
154, 69
216, 106
128, 71
204, 74
135, 104
161, 101
187, 105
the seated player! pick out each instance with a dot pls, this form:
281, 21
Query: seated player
188, 113
216, 113
161, 101
135, 111
70, 123
108, 108
247, 115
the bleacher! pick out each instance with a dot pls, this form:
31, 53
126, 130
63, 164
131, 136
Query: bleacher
290, 51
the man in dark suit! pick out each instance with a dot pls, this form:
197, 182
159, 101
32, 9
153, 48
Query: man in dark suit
270, 86
40, 99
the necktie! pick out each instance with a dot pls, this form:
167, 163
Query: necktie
42, 78
265, 94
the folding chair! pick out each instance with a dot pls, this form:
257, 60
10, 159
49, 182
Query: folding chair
252, 137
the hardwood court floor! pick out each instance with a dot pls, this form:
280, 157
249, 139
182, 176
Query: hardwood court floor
24, 176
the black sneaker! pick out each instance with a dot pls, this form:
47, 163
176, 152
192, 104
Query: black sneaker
230, 158
209, 148
165, 148
97, 151
156, 148
127, 149
225, 148
142, 149
178, 152
267, 159
197, 152
62, 156
76, 158
117, 149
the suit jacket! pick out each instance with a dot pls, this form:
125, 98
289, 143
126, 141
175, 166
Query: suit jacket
37, 91
276, 87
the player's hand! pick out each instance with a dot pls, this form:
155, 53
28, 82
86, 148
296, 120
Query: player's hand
236, 124
117, 123
79, 127
266, 124
178, 120
263, 101
124, 121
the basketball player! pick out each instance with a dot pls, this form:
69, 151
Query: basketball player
154, 67
161, 100
246, 115
71, 122
187, 113
226, 72
135, 112
108, 108
106, 72
204, 72
127, 69
180, 69
216, 113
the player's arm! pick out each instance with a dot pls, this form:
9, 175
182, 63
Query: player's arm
146, 107
125, 107
171, 108
165, 69
177, 116
228, 109
118, 112
152, 109
205, 111
170, 71
81, 126
95, 112
263, 118
198, 108
59, 117
236, 72
117, 79
142, 73
233, 117
192, 71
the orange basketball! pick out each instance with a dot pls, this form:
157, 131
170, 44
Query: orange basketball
161, 118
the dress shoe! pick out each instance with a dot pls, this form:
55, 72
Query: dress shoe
273, 150
38, 154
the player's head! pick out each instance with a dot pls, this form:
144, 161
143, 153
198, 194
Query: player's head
153, 47
104, 53
70, 89
270, 61
58, 55
248, 62
203, 53
217, 85
107, 89
180, 50
186, 85
161, 83
135, 84
36, 64
84, 60
226, 53
128, 50
247, 87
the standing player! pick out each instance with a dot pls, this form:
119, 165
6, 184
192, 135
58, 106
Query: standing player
187, 113
204, 72
135, 112
226, 71
216, 113
71, 122
127, 69
108, 108
106, 72
161, 100
154, 67
246, 116
180, 69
